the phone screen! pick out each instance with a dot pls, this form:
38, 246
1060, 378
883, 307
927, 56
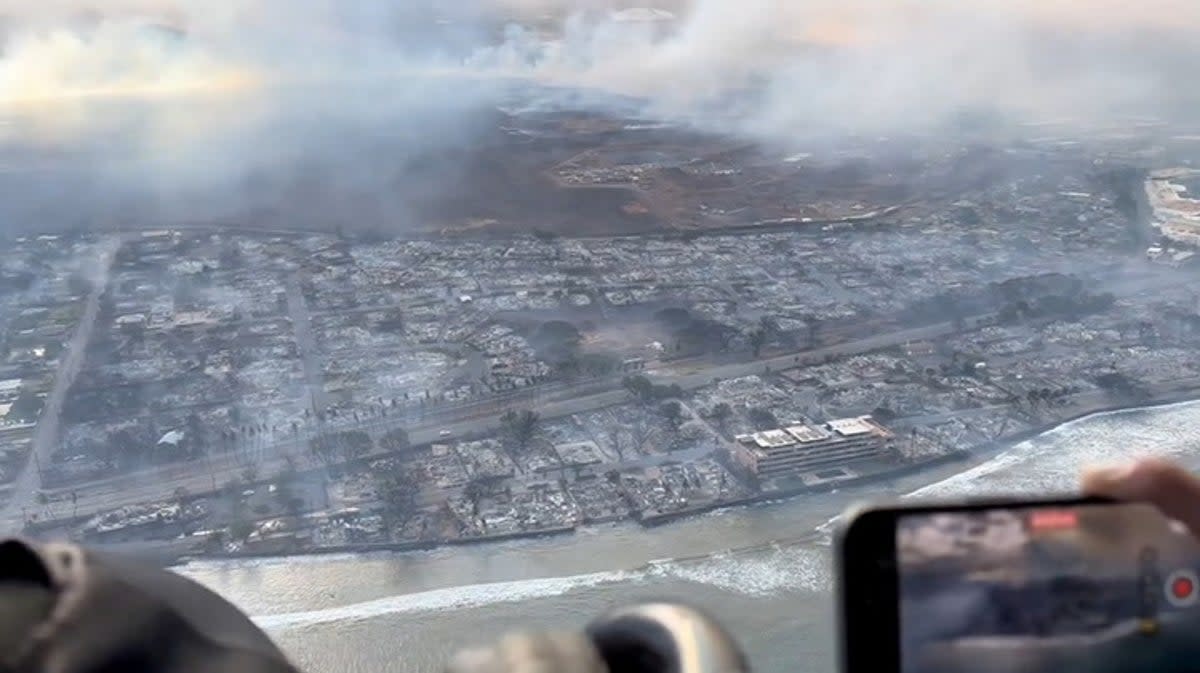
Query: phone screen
1096, 587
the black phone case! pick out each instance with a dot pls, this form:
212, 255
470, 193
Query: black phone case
867, 610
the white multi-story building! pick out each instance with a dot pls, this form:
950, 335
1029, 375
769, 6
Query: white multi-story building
804, 447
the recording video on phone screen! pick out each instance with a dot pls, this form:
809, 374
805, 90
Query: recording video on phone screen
1092, 588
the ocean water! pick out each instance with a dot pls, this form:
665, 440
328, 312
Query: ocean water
759, 569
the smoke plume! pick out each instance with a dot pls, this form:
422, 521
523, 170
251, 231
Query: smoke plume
188, 110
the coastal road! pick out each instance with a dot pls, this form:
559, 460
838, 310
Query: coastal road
45, 435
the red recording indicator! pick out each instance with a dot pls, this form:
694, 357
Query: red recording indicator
1182, 588
1053, 519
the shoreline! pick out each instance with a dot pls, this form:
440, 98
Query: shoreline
169, 553
646, 522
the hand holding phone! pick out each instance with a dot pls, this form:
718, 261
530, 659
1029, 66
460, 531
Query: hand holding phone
1010, 585
1164, 484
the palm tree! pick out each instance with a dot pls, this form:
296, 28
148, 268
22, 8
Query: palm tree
614, 438
758, 339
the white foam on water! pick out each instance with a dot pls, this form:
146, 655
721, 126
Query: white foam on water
451, 598
1050, 463
761, 572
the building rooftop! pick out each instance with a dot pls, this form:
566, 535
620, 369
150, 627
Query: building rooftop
806, 433
849, 427
772, 438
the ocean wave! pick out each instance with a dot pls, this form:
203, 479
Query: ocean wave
763, 570
451, 598
757, 572
1050, 463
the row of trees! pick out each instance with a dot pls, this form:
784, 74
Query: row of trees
705, 334
645, 391
1055, 306
354, 444
340, 446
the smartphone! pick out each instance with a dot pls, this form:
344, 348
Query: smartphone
1017, 586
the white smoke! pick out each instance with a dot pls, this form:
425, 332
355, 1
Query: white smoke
879, 65
192, 108
897, 57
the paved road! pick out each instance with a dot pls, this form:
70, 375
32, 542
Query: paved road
45, 435
302, 327
688, 379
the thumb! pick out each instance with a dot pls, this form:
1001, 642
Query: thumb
1164, 484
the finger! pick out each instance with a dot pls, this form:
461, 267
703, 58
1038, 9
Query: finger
1166, 485
1109, 481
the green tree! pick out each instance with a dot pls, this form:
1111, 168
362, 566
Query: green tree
639, 387
215, 541
283, 492
672, 411
475, 490
520, 427
393, 323
397, 491
324, 448
721, 413
812, 325
883, 414
241, 529
661, 392
597, 364
762, 418
557, 341
395, 440
354, 444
